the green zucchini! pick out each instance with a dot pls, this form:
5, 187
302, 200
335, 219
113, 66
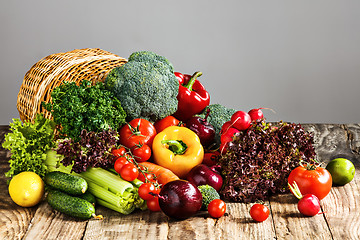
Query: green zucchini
71, 205
73, 185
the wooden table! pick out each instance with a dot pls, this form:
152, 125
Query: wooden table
340, 220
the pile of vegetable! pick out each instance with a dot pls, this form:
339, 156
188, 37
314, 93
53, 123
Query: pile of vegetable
148, 138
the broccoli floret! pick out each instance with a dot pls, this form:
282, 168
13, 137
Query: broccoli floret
146, 86
219, 114
208, 194
147, 56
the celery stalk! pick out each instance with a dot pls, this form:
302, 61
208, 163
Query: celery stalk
115, 208
107, 180
52, 161
123, 204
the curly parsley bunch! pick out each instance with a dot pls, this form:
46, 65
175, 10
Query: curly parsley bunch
87, 106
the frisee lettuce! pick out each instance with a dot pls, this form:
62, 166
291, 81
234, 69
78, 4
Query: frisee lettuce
28, 143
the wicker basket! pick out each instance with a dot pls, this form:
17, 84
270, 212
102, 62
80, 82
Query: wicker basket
90, 64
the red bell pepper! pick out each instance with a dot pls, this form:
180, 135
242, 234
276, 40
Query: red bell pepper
192, 96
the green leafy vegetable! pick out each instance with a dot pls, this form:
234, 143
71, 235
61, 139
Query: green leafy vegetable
86, 106
28, 144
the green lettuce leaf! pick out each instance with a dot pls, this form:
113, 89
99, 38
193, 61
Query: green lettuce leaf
28, 143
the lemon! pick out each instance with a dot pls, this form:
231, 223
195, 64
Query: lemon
26, 189
342, 171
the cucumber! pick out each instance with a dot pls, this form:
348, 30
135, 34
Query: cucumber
70, 205
73, 185
88, 197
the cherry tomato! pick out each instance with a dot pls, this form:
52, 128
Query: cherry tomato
217, 208
141, 153
166, 122
210, 158
149, 176
311, 179
129, 172
118, 152
145, 189
137, 132
119, 163
259, 212
153, 204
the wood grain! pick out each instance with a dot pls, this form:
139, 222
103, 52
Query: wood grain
291, 224
50, 224
138, 225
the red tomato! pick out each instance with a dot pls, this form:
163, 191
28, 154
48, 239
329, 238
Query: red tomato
129, 172
217, 208
210, 158
118, 152
137, 132
119, 163
145, 189
149, 176
141, 153
259, 212
311, 180
153, 204
166, 122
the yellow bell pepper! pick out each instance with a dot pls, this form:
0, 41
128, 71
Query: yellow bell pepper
178, 149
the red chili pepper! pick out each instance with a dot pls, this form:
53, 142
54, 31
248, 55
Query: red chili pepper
192, 96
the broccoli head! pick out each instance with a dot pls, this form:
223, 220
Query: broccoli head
219, 114
208, 194
146, 86
147, 56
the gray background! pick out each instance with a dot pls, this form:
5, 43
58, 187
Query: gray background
299, 58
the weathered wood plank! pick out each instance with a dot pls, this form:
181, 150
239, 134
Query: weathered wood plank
50, 224
330, 141
291, 224
137, 225
238, 224
342, 210
342, 206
